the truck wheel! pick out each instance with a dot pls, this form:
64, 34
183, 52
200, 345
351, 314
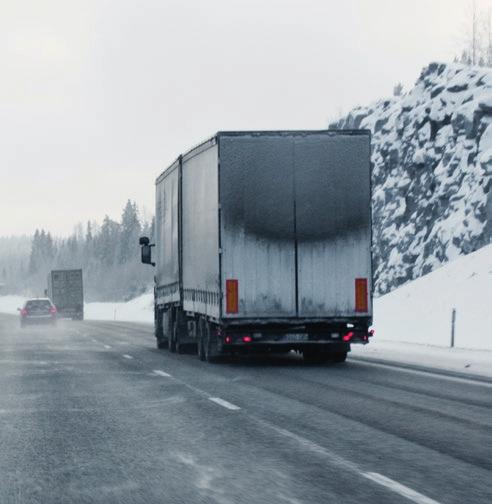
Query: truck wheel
171, 342
161, 344
161, 329
200, 350
339, 356
315, 356
210, 352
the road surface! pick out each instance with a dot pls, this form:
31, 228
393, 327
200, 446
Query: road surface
92, 412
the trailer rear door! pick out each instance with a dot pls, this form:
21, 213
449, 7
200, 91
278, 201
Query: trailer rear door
257, 226
333, 224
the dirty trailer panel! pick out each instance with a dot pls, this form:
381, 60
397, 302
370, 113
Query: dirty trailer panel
333, 223
167, 235
295, 224
200, 230
257, 224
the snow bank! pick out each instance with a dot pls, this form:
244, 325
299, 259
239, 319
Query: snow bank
140, 309
421, 311
9, 304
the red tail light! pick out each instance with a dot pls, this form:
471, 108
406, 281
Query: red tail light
348, 336
53, 310
228, 340
23, 312
372, 332
361, 301
247, 339
232, 296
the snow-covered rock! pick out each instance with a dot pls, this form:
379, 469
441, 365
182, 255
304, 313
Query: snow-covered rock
432, 170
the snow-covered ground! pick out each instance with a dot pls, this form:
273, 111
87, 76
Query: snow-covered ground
471, 362
140, 309
421, 311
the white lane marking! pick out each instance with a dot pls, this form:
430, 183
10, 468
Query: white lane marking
338, 461
224, 404
425, 373
126, 356
403, 490
107, 347
95, 340
161, 373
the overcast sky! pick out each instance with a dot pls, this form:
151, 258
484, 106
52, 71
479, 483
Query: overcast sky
97, 97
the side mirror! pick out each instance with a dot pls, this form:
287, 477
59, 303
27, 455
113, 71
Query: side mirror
146, 247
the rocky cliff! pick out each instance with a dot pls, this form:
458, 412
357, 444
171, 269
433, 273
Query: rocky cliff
432, 171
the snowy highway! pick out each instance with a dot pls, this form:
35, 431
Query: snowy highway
92, 412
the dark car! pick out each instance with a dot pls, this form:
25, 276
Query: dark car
38, 311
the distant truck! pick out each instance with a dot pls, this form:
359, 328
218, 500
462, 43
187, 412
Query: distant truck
263, 243
66, 291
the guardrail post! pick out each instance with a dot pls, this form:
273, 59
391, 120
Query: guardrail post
453, 324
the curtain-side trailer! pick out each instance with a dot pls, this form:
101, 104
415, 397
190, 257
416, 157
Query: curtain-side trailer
263, 242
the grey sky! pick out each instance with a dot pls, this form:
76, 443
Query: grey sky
97, 97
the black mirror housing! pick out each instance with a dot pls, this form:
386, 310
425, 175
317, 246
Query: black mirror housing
147, 255
143, 240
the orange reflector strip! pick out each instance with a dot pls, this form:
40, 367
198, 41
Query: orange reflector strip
232, 296
361, 301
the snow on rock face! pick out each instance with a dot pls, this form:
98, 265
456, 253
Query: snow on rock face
432, 171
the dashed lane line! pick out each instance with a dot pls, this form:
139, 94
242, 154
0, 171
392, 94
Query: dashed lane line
161, 373
126, 356
225, 404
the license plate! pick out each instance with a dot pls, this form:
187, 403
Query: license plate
294, 338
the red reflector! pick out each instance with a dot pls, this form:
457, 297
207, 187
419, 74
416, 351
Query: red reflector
348, 336
232, 296
228, 340
361, 302
247, 339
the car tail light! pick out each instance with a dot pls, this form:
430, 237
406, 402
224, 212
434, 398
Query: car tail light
372, 332
23, 312
348, 336
247, 339
232, 296
52, 310
361, 301
228, 340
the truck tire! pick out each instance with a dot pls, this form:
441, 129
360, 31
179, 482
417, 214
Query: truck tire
180, 332
161, 344
339, 357
210, 352
315, 356
171, 342
161, 329
200, 349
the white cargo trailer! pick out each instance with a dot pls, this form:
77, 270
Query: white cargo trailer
263, 242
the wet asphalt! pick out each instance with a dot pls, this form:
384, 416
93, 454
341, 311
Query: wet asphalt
92, 412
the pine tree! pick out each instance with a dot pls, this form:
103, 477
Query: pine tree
130, 230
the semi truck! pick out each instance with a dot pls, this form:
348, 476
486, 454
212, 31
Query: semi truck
263, 243
66, 291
